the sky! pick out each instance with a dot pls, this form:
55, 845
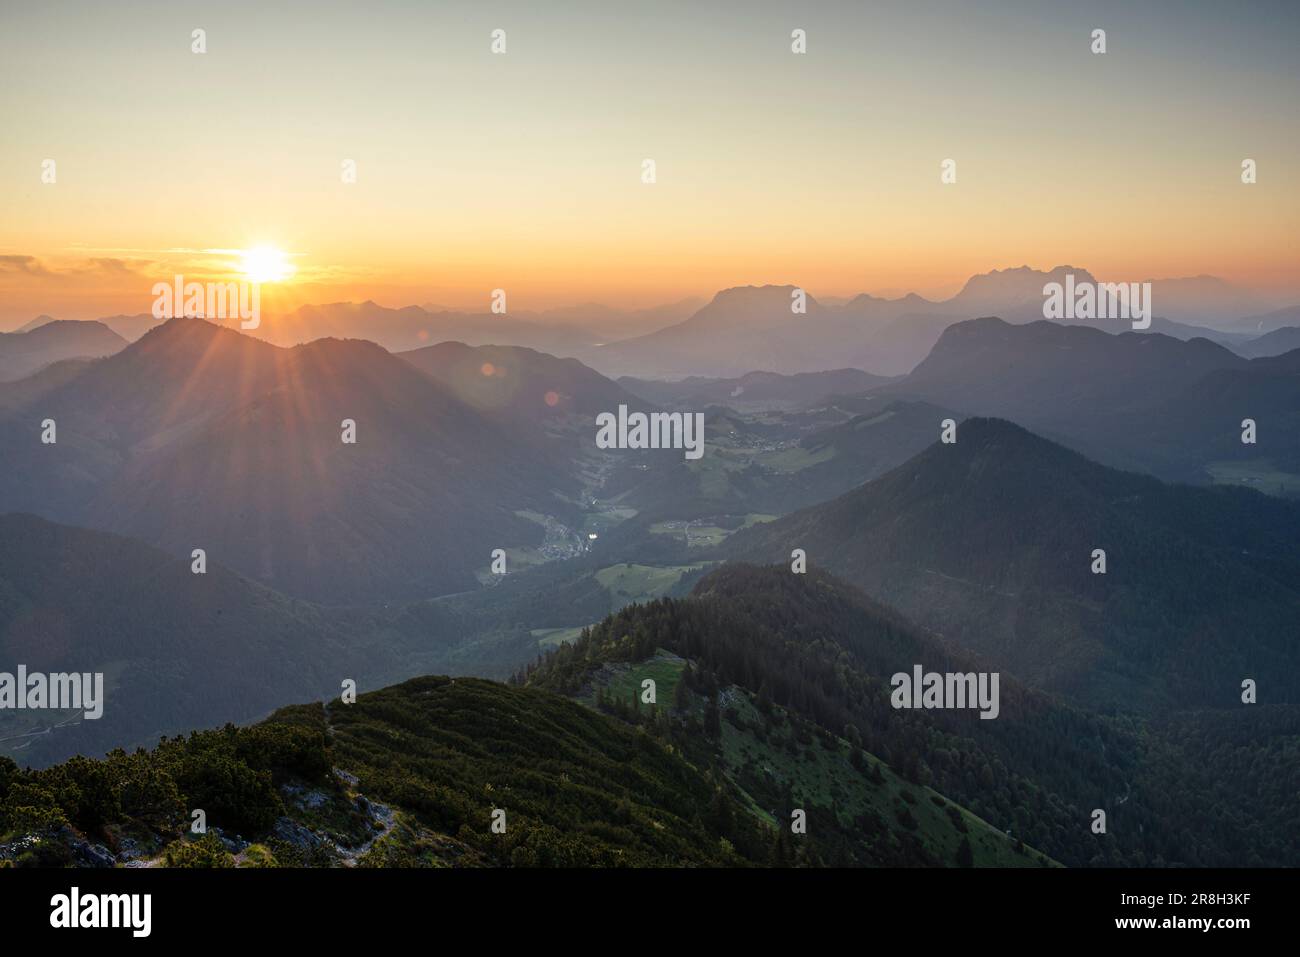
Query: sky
523, 170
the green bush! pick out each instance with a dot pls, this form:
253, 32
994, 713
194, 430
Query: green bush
207, 851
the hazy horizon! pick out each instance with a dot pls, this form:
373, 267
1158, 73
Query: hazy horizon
523, 170
285, 297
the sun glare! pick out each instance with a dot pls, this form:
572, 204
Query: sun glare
265, 264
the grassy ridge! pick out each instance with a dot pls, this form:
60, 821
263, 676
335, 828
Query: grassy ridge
409, 775
860, 811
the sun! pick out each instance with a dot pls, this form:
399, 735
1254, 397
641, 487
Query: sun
265, 264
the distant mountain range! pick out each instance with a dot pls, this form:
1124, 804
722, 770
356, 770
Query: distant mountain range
1017, 295
25, 352
748, 329
412, 327
129, 328
1134, 400
1040, 371
563, 331
755, 328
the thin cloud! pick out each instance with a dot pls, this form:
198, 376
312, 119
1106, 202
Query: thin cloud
97, 266
26, 265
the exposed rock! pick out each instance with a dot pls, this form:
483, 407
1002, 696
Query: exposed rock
297, 835
87, 854
129, 849
233, 844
